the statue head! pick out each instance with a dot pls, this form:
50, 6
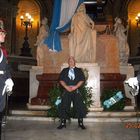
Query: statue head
44, 21
118, 20
82, 8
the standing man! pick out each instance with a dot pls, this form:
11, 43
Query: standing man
71, 79
6, 83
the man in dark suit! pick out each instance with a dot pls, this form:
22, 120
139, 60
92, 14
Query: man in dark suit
71, 78
6, 83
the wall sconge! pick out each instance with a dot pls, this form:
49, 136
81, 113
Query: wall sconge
138, 19
27, 22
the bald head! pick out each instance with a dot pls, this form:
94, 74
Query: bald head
71, 61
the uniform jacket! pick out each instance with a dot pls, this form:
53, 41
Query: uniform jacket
79, 76
3, 78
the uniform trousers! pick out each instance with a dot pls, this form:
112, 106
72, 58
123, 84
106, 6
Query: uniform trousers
1, 116
76, 100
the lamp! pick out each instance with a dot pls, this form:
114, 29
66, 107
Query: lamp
138, 19
27, 22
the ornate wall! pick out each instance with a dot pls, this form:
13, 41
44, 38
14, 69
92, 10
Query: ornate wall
116, 8
31, 7
134, 32
9, 12
38, 9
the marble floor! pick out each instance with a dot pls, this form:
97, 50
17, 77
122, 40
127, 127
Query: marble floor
46, 130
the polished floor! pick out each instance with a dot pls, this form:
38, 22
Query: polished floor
108, 127
46, 130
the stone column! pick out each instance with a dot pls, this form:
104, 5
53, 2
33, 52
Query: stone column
35, 70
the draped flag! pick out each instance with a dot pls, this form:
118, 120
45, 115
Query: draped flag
62, 14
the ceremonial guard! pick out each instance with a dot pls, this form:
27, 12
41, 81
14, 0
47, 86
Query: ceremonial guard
6, 83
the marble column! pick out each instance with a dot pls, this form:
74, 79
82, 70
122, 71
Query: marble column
35, 70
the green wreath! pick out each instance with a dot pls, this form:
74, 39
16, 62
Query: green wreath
56, 92
118, 106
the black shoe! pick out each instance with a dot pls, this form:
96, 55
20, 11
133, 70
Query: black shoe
80, 123
62, 124
82, 126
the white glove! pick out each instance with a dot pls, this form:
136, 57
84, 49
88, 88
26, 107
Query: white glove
132, 82
9, 84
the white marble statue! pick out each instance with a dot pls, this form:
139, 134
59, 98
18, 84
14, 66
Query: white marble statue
119, 31
82, 38
43, 33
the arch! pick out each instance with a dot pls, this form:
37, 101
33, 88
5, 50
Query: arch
134, 33
26, 6
46, 8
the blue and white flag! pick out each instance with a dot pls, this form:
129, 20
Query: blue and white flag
62, 14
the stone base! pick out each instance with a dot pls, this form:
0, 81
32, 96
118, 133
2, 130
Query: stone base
107, 54
37, 107
129, 108
106, 49
46, 82
111, 81
94, 109
94, 116
35, 70
39, 101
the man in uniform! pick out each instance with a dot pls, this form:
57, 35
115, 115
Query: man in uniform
6, 83
71, 78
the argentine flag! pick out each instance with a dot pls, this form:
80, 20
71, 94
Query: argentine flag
62, 14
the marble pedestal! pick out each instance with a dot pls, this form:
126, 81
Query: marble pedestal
34, 84
92, 81
128, 70
35, 70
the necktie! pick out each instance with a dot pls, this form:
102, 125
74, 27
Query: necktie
71, 74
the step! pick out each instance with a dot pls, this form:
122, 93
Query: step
96, 114
37, 107
112, 114
27, 113
90, 114
93, 119
45, 107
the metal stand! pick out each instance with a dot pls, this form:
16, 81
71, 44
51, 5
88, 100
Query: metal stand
25, 50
